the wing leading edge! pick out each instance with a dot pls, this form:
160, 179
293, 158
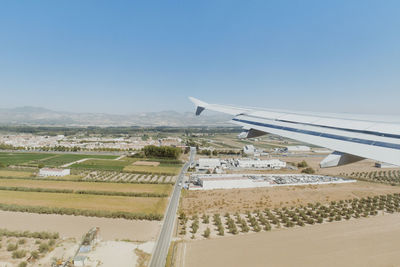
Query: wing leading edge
352, 138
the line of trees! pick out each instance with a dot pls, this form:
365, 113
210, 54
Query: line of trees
82, 180
162, 152
77, 212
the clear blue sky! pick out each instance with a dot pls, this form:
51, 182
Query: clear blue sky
132, 56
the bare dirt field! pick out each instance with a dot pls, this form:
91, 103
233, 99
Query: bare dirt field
146, 163
77, 226
365, 242
242, 200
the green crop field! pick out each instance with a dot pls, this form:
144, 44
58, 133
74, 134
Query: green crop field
22, 158
145, 205
92, 186
103, 165
48, 159
164, 169
61, 159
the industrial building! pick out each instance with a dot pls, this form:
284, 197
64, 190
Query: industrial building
54, 172
208, 163
232, 181
298, 149
383, 165
257, 163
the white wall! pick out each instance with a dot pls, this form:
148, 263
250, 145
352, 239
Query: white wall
54, 172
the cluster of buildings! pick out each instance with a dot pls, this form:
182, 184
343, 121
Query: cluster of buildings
217, 165
274, 164
31, 142
232, 181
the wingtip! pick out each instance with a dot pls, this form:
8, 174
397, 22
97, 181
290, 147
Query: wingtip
198, 102
200, 105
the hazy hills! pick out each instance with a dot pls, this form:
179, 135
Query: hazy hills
41, 116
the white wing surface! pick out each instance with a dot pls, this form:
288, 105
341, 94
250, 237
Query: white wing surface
352, 137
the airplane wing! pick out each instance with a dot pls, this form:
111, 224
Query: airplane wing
351, 137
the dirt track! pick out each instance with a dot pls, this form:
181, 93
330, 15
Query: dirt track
363, 242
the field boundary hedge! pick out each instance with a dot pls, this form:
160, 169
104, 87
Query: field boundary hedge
87, 192
82, 212
28, 234
83, 180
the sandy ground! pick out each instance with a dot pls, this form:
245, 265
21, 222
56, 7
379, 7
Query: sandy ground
76, 226
241, 200
65, 250
364, 242
113, 253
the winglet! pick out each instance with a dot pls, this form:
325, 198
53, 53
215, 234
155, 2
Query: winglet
199, 104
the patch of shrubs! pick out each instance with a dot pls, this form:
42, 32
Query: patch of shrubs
27, 234
12, 247
18, 254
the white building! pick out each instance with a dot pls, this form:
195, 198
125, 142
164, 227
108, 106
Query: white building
80, 261
257, 163
54, 172
383, 165
208, 163
231, 181
249, 150
298, 149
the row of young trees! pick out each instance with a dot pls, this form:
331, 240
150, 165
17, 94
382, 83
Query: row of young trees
304, 215
388, 176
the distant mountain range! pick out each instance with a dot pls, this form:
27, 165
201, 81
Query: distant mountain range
36, 116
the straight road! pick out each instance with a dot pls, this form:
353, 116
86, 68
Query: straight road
159, 256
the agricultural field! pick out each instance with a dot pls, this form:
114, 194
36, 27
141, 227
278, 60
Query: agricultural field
156, 189
206, 225
15, 158
226, 141
162, 169
17, 174
32, 174
382, 176
241, 200
125, 177
104, 165
47, 159
360, 242
138, 205
97, 187
61, 159
133, 165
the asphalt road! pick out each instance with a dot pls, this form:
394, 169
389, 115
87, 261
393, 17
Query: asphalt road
159, 256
